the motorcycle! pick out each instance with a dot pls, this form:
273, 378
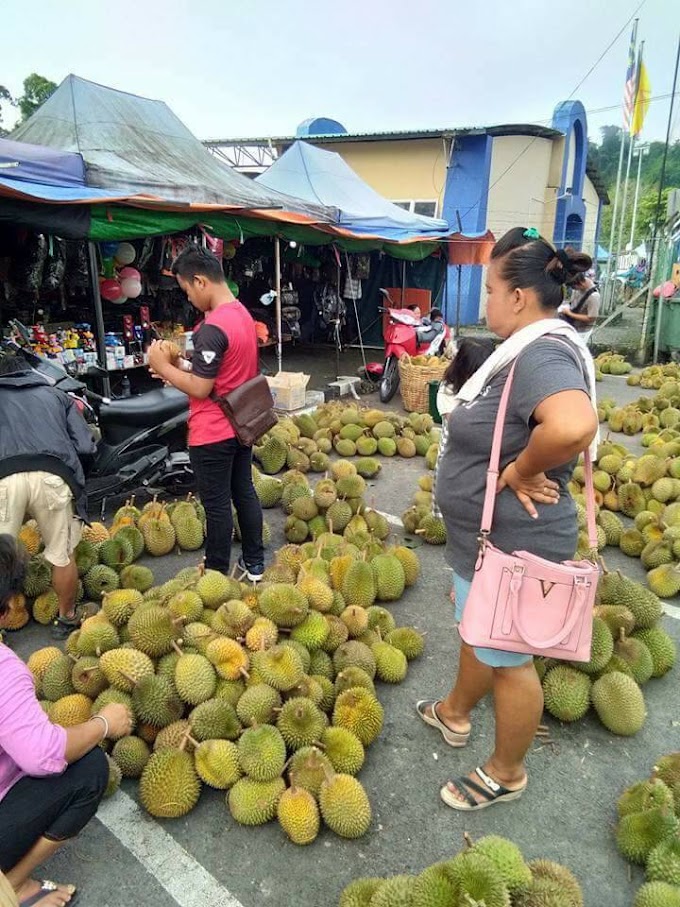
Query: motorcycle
142, 438
401, 336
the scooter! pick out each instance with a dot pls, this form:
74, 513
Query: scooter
401, 336
143, 438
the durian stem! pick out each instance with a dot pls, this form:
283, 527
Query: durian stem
128, 678
468, 839
244, 673
177, 648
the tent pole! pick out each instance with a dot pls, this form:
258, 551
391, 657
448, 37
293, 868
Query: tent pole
277, 278
403, 282
459, 290
99, 314
459, 281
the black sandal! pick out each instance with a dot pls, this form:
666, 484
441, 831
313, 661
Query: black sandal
64, 626
493, 792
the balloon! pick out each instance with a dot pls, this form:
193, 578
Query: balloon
111, 290
108, 249
130, 272
125, 253
233, 286
120, 301
668, 289
131, 288
229, 251
108, 267
657, 291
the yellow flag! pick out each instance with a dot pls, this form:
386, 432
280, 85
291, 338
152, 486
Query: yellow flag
644, 93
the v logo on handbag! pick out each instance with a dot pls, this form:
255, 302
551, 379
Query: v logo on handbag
546, 588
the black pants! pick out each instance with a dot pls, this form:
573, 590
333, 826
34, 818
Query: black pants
57, 807
223, 473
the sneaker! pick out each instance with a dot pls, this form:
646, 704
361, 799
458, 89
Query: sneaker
64, 626
254, 572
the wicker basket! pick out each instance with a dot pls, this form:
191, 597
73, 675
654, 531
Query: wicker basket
413, 382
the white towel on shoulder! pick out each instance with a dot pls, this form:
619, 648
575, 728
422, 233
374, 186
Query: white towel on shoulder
506, 353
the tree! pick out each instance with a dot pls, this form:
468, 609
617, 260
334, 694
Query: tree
37, 89
647, 209
4, 96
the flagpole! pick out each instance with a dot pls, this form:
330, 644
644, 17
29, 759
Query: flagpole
630, 150
662, 177
612, 234
624, 202
641, 153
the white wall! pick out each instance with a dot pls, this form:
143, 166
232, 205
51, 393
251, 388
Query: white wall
591, 198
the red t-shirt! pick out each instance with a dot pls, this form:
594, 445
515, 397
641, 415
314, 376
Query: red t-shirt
225, 348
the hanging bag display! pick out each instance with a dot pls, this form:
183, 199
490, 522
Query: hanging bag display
523, 603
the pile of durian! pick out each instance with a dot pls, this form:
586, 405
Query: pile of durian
647, 491
628, 649
106, 557
305, 442
491, 872
267, 691
335, 503
654, 376
648, 832
657, 417
611, 363
419, 519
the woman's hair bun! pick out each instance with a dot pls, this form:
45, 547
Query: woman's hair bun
568, 265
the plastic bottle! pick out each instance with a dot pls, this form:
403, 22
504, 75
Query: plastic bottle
125, 387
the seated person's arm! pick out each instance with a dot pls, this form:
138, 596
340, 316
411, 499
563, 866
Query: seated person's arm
27, 735
37, 746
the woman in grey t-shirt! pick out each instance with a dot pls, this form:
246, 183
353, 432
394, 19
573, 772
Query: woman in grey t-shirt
550, 420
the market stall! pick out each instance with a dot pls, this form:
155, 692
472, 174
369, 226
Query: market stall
156, 185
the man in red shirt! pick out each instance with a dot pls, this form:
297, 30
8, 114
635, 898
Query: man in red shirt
225, 357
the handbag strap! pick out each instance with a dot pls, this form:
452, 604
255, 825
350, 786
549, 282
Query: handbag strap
494, 463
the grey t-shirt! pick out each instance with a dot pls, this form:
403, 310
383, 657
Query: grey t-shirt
591, 307
544, 368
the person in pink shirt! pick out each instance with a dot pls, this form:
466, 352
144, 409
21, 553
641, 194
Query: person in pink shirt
52, 779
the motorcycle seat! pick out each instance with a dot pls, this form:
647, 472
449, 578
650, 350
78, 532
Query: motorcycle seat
143, 411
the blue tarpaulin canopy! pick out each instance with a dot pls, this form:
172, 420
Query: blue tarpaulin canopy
36, 172
323, 177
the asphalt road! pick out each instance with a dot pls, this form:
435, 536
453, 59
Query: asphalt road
124, 857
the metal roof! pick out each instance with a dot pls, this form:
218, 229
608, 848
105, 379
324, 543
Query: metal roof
530, 129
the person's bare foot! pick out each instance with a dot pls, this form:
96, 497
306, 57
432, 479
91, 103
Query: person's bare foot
57, 898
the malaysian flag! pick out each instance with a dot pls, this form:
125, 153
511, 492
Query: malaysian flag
630, 90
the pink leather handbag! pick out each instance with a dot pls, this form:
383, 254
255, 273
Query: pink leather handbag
520, 602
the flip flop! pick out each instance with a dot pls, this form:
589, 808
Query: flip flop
493, 792
453, 738
48, 887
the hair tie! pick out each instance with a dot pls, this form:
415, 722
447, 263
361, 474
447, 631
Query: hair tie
563, 257
531, 233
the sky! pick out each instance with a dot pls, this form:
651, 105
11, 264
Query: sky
240, 68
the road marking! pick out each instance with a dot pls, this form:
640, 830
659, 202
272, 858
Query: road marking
185, 880
391, 519
671, 610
